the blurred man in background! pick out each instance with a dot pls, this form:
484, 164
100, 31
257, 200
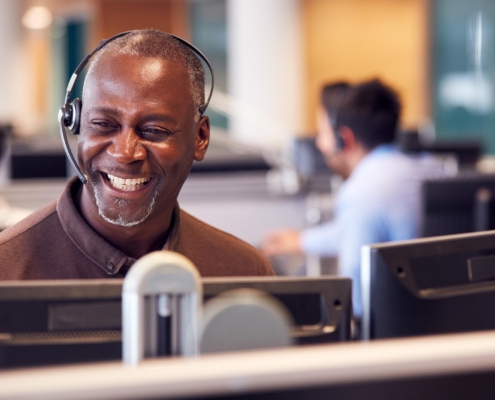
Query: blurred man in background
380, 198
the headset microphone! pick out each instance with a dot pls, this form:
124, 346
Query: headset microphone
69, 115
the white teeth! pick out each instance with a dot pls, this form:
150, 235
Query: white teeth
127, 184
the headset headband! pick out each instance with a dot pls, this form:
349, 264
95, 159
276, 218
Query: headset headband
69, 114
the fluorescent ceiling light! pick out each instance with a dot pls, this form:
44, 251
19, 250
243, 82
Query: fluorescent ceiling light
38, 17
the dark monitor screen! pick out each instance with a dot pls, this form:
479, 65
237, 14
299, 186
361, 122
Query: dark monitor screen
57, 322
449, 204
33, 166
429, 286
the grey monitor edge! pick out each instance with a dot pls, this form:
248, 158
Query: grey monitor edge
366, 290
109, 288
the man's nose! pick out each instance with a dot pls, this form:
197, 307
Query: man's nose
126, 147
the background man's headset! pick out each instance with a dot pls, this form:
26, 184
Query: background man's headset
69, 115
339, 140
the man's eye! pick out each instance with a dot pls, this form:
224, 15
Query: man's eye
155, 132
102, 126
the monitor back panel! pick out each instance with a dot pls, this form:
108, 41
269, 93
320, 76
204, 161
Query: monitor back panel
438, 287
57, 322
449, 205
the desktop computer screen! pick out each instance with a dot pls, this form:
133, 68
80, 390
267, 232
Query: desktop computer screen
428, 286
58, 322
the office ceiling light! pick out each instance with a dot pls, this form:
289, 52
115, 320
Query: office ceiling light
38, 17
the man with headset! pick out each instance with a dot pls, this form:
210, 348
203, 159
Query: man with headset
141, 126
379, 200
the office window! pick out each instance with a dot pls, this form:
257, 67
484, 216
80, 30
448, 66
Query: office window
463, 70
209, 33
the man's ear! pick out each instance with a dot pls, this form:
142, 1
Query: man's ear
348, 137
202, 138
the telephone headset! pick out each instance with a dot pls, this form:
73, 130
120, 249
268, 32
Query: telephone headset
339, 140
69, 115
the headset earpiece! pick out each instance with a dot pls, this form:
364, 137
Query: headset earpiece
72, 115
202, 109
339, 140
75, 120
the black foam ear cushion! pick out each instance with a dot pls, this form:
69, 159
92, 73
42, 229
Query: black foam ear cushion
339, 140
75, 116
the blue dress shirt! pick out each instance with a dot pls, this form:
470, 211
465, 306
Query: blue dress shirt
379, 202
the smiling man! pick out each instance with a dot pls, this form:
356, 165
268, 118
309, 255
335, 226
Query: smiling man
140, 131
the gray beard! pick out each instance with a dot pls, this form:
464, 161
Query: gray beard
120, 207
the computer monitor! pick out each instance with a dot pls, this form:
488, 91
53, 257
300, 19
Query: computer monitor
449, 204
466, 152
58, 322
308, 160
429, 286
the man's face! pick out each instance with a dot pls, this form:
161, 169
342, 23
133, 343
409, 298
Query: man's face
326, 143
138, 136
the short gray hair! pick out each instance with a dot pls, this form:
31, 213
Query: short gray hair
156, 44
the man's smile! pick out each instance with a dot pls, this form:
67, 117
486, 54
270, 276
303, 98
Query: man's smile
127, 184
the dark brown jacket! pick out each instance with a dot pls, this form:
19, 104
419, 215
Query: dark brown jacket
55, 242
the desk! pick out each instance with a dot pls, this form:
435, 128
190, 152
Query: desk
450, 366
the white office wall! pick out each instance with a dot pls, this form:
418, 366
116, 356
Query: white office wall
265, 68
10, 31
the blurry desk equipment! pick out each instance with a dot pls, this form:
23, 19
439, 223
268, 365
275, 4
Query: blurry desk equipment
465, 152
38, 158
56, 322
450, 367
428, 286
452, 205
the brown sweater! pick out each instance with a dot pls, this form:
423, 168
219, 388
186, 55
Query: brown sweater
55, 242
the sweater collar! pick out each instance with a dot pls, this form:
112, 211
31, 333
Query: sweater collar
89, 242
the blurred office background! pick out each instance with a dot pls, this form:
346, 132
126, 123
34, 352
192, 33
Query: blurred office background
271, 58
